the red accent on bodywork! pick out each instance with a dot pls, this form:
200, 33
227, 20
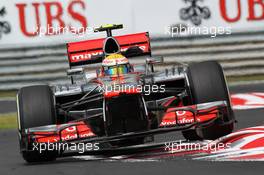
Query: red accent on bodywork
80, 130
111, 94
186, 117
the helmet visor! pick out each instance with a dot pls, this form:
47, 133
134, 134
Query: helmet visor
114, 70
122, 69
111, 71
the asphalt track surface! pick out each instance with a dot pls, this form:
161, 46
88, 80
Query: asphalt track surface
7, 106
12, 163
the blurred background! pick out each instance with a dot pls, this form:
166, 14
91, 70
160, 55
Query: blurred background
230, 31
33, 37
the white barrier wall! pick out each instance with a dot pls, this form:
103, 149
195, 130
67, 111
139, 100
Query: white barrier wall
26, 21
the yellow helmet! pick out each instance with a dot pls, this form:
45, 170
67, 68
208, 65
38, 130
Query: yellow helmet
115, 64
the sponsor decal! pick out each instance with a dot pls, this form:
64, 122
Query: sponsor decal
89, 55
55, 13
5, 27
69, 133
194, 12
185, 117
254, 10
85, 56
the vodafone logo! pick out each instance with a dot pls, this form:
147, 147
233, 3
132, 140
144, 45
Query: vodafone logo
71, 129
181, 113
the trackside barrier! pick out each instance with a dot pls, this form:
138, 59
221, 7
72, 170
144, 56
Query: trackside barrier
240, 54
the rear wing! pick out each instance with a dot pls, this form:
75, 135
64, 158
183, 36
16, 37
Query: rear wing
91, 51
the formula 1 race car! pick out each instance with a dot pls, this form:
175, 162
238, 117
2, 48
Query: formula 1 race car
122, 105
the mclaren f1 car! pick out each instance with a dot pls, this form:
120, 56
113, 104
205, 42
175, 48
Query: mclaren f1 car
122, 104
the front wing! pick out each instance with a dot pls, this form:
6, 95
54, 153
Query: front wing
175, 119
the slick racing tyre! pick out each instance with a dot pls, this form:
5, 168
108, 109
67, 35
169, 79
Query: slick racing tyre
35, 108
207, 84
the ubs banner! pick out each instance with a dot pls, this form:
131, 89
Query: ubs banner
45, 21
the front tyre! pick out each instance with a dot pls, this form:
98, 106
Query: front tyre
207, 84
36, 108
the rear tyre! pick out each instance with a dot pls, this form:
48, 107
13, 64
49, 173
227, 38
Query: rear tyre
35, 108
207, 84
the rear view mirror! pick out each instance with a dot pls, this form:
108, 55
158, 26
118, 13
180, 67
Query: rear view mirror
155, 60
75, 71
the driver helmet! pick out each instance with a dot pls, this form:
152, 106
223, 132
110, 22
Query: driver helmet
116, 64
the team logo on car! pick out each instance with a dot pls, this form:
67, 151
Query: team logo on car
5, 27
194, 12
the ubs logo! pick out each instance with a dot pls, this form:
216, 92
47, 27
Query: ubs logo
194, 12
5, 27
